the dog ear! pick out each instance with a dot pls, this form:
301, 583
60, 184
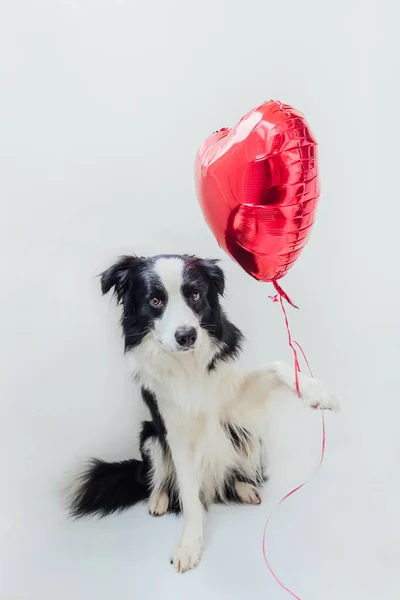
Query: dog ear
215, 274
119, 276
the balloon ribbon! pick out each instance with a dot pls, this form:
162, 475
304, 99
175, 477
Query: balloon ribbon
279, 297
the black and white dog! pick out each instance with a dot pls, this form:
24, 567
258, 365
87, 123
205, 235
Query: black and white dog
204, 442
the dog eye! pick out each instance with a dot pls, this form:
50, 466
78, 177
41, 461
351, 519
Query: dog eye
156, 302
195, 296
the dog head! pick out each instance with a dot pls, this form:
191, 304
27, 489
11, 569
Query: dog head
174, 299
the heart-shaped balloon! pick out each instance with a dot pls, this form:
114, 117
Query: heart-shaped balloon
258, 188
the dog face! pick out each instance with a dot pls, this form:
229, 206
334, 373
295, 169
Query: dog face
174, 299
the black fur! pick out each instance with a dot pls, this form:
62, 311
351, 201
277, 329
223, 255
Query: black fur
106, 488
158, 423
109, 487
135, 282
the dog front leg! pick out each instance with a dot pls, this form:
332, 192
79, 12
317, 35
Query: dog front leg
257, 386
187, 553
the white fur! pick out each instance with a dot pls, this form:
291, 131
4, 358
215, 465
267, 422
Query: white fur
158, 503
162, 472
194, 405
177, 314
247, 493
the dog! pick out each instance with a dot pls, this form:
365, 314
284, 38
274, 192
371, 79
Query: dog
204, 442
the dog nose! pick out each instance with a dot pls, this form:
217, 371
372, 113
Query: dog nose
186, 336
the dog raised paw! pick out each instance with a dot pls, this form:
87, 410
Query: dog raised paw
317, 396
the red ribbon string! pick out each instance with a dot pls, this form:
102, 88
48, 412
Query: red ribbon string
283, 294
292, 343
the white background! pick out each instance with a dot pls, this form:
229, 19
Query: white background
102, 106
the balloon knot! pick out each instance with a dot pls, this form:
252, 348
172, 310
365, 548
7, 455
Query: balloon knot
283, 294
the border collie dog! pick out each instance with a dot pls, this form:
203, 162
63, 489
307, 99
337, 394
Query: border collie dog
204, 440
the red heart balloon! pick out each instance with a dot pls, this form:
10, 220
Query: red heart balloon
258, 188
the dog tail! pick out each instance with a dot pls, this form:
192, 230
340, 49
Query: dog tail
105, 488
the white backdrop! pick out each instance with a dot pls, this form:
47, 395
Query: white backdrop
102, 106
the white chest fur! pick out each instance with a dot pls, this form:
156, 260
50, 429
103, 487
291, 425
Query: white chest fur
191, 401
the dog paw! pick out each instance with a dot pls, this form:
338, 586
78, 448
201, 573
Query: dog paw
187, 555
316, 395
158, 504
247, 493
